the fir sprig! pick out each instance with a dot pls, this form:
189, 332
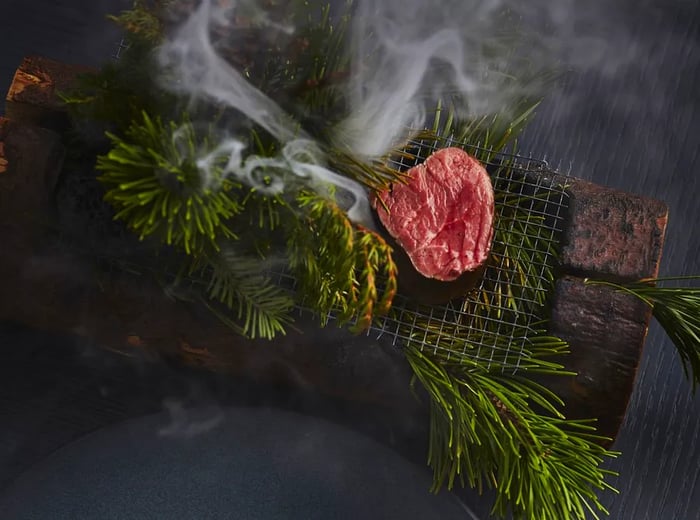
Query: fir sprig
338, 265
376, 175
485, 432
154, 183
144, 19
307, 74
261, 307
677, 309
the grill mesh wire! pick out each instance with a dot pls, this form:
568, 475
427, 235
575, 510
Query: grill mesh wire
493, 332
500, 330
486, 326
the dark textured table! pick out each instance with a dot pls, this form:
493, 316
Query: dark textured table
627, 118
631, 120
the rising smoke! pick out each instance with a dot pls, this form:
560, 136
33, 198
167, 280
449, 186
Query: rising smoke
195, 68
483, 55
187, 423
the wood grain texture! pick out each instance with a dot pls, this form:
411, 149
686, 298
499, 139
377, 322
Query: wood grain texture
33, 96
612, 234
31, 158
608, 235
605, 364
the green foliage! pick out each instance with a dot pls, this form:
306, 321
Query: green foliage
261, 307
120, 91
304, 71
677, 309
144, 19
156, 187
376, 175
485, 432
338, 265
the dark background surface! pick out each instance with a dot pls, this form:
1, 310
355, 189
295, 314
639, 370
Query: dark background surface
629, 119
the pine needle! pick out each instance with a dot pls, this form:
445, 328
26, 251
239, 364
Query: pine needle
485, 433
677, 309
155, 186
261, 308
338, 265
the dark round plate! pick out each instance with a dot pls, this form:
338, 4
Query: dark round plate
235, 463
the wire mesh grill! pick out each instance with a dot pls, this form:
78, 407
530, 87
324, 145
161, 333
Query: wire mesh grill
487, 325
493, 323
531, 205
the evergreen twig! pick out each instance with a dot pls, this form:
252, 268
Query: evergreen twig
485, 432
154, 183
338, 264
261, 307
677, 309
144, 19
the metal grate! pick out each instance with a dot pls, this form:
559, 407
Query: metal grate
494, 331
489, 327
120, 48
501, 333
489, 330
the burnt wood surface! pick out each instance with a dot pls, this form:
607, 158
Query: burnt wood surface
33, 96
615, 236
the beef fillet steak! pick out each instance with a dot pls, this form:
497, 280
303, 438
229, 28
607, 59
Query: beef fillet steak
442, 219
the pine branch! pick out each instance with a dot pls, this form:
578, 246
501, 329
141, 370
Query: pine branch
261, 308
120, 91
144, 19
306, 71
338, 265
677, 309
154, 183
485, 433
377, 175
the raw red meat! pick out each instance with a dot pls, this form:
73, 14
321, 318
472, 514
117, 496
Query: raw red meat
443, 216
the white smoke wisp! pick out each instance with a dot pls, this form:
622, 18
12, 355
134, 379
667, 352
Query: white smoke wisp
195, 68
300, 162
187, 424
408, 54
404, 56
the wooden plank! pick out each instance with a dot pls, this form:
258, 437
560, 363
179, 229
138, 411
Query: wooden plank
609, 235
30, 161
612, 234
33, 94
605, 330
